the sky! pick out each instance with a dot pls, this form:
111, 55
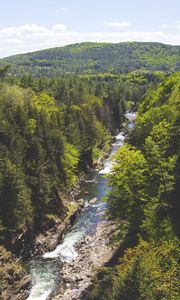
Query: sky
30, 25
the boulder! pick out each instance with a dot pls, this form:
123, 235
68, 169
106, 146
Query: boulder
81, 202
25, 286
93, 201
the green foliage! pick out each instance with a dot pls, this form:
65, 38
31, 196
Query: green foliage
88, 58
49, 132
149, 272
144, 272
70, 162
16, 207
32, 126
44, 103
144, 191
53, 128
128, 182
4, 70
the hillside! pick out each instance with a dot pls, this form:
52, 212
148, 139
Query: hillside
96, 58
144, 195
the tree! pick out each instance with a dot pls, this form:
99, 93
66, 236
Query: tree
4, 70
70, 162
128, 183
161, 169
16, 205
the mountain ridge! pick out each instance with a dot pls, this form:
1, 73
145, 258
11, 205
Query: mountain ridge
88, 58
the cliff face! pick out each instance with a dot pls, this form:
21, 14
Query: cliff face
14, 282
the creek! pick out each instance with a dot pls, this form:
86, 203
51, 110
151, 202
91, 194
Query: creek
45, 270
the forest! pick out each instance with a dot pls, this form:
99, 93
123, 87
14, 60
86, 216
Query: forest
55, 126
144, 196
94, 58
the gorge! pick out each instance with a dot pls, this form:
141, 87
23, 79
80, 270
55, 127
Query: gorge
47, 270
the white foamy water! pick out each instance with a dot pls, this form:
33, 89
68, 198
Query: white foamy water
44, 277
130, 116
107, 168
66, 250
119, 143
35, 294
120, 137
44, 274
109, 163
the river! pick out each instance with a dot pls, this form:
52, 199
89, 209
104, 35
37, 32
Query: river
45, 270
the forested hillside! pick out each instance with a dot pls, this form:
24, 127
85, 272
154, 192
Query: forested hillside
144, 197
54, 129
44, 143
87, 58
51, 131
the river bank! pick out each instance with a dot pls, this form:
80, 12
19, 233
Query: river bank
31, 245
50, 271
93, 252
16, 284
28, 244
49, 239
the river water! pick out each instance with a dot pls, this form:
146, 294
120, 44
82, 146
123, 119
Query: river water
45, 270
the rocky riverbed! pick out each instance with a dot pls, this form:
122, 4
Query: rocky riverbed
47, 241
68, 270
16, 284
93, 252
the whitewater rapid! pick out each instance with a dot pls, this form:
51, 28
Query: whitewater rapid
45, 270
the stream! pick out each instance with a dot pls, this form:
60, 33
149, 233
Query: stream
45, 270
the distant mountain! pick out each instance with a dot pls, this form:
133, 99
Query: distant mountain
86, 58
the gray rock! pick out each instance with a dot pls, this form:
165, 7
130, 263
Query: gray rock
93, 201
81, 202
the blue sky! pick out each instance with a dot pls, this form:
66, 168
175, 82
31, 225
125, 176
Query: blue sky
28, 25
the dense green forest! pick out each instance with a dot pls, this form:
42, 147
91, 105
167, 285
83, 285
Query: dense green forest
54, 128
144, 197
50, 132
90, 58
45, 142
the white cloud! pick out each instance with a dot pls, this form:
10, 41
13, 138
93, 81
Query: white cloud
59, 27
118, 24
164, 25
32, 37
